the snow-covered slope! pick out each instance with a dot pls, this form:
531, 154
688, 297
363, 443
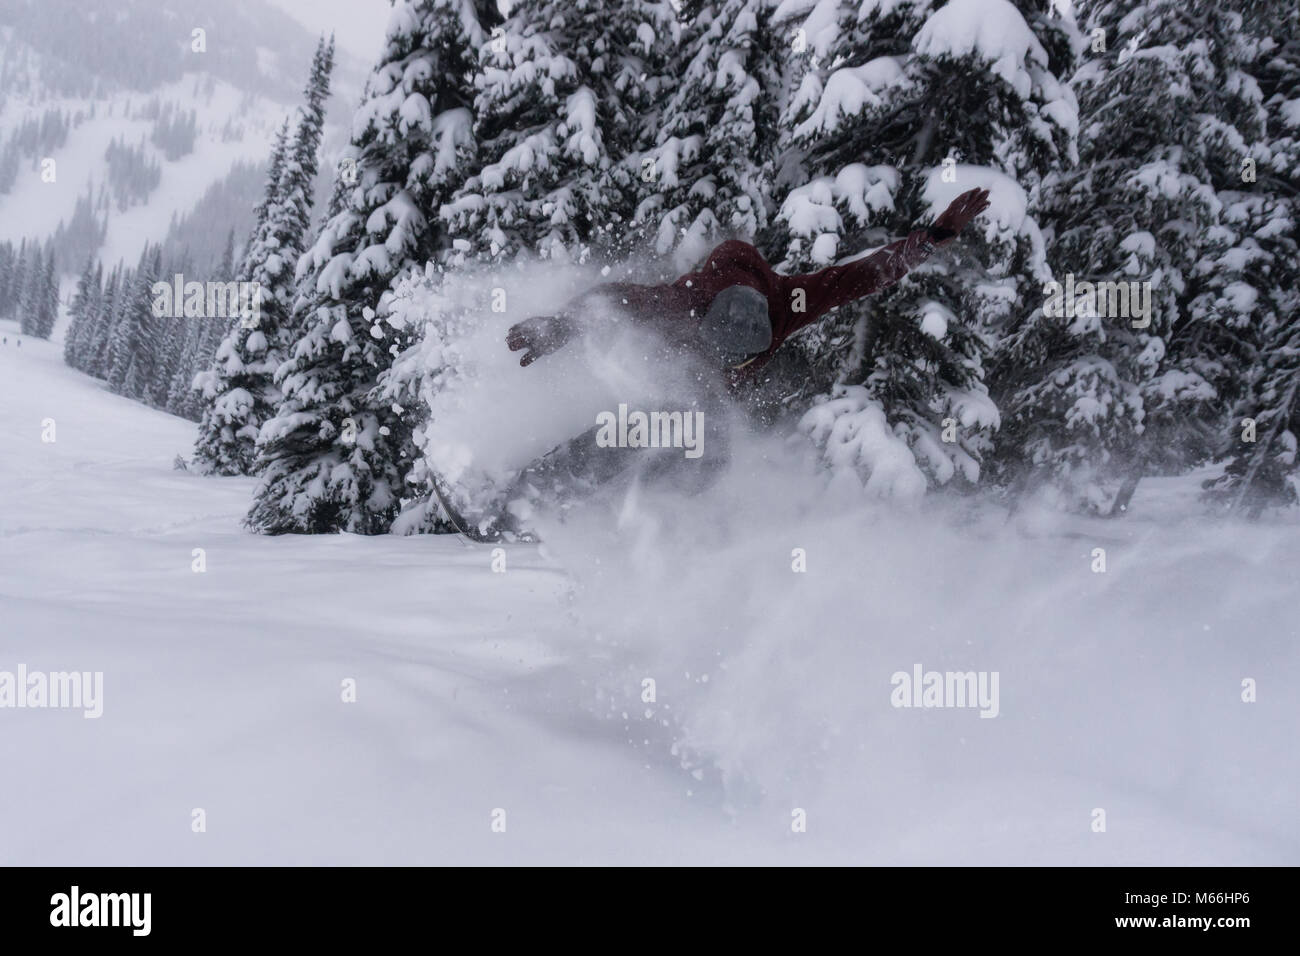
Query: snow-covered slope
239, 93
520, 691
34, 208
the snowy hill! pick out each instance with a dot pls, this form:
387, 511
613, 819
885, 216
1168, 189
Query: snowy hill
521, 691
237, 92
34, 211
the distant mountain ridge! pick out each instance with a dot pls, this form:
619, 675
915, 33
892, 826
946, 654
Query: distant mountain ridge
143, 44
125, 110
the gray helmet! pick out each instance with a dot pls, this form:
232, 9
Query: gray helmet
737, 325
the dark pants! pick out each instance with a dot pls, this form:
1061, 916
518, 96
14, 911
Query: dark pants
580, 466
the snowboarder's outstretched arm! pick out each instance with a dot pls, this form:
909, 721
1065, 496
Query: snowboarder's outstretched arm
544, 334
838, 285
540, 335
739, 263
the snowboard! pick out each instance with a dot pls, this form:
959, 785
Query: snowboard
502, 530
464, 528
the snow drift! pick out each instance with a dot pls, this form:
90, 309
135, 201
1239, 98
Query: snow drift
750, 635
1119, 690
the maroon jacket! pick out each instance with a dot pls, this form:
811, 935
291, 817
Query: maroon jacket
738, 263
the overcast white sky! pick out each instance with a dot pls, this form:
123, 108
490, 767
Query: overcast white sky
358, 25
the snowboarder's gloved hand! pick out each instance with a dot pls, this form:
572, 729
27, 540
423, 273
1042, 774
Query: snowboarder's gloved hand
959, 212
540, 335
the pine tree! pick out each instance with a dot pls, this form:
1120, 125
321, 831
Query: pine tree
179, 388
42, 310
209, 335
335, 456
11, 303
227, 265
1261, 467
1215, 340
22, 272
714, 159
99, 351
1099, 396
169, 352
174, 337
33, 294
220, 448
1260, 445
94, 315
900, 108
125, 339
133, 363
142, 379
240, 392
79, 313
343, 185
295, 193
31, 291
275, 167
7, 255
562, 95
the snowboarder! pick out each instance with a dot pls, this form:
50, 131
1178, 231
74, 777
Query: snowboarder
732, 315
716, 308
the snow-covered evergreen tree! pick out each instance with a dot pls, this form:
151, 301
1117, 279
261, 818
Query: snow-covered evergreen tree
7, 260
295, 194
39, 307
83, 342
213, 333
902, 106
132, 357
34, 301
225, 445
1102, 394
178, 387
711, 168
80, 314
15, 280
1262, 460
274, 167
99, 350
44, 295
197, 355
1214, 342
566, 94
226, 267
1261, 437
240, 392
28, 276
169, 352
438, 305
336, 454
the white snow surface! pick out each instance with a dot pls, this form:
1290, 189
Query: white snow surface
522, 690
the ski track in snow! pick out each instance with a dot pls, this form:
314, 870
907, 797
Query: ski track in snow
479, 690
